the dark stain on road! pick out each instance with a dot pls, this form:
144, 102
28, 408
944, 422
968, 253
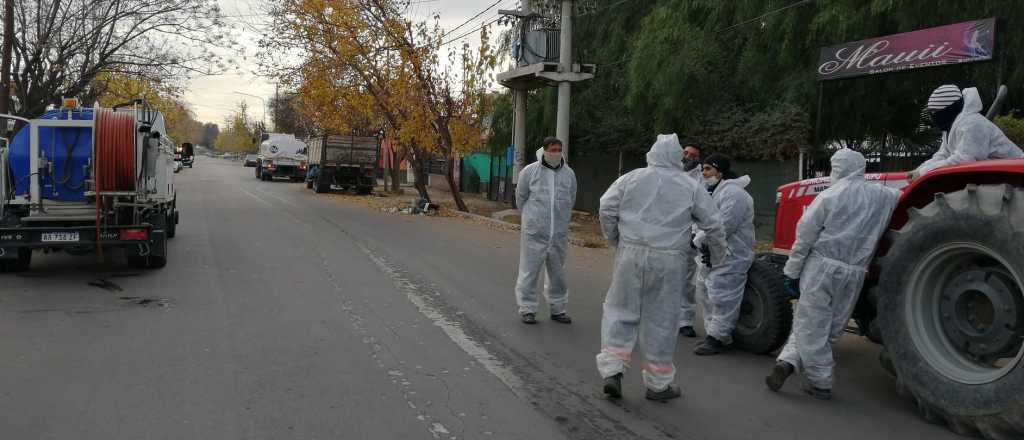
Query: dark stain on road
106, 284
147, 302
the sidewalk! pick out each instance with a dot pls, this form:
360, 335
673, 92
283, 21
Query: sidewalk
585, 230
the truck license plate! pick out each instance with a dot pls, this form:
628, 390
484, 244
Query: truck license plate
60, 237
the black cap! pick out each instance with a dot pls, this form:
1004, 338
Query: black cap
722, 163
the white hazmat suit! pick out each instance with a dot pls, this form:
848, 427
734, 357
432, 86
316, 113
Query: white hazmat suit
723, 284
545, 197
647, 215
972, 138
688, 311
835, 241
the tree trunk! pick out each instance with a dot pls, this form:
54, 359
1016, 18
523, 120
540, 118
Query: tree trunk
419, 167
450, 177
396, 171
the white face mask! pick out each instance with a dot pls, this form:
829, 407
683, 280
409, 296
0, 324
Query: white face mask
553, 159
712, 181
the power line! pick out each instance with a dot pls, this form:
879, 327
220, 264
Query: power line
758, 18
470, 32
473, 18
603, 8
729, 28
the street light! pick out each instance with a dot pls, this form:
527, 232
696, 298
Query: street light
264, 119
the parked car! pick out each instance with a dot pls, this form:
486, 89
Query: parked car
251, 160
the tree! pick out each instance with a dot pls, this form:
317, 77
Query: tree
1012, 127
116, 88
239, 132
677, 65
62, 46
363, 58
287, 119
209, 136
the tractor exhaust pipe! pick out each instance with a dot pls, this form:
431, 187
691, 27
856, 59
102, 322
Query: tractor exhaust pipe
998, 103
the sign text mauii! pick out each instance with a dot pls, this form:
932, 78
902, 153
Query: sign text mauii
965, 42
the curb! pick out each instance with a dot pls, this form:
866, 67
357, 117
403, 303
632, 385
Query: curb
497, 222
514, 227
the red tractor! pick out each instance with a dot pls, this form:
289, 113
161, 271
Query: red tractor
945, 293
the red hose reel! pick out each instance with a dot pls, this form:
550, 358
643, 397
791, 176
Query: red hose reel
114, 151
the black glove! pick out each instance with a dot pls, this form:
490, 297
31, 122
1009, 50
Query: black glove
792, 287
705, 255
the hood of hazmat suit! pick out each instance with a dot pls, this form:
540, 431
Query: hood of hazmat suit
836, 239
545, 198
972, 138
725, 282
648, 214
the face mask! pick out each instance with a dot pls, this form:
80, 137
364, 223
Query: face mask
553, 159
943, 119
712, 181
689, 163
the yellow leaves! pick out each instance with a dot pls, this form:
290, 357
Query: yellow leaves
119, 88
366, 68
239, 133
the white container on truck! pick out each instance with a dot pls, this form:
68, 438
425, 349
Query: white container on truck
281, 155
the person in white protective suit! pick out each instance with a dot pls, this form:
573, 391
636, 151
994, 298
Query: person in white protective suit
647, 216
721, 286
968, 136
688, 312
545, 196
835, 240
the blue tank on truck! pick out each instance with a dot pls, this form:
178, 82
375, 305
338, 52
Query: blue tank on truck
68, 149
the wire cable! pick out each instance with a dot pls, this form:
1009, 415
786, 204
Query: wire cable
471, 19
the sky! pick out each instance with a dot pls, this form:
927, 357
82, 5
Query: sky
213, 98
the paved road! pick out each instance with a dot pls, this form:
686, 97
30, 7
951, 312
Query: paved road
287, 315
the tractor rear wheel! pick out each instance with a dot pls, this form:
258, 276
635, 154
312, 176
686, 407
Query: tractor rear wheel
766, 314
951, 310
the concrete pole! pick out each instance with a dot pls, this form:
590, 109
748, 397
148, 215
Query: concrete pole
519, 104
5, 63
565, 88
519, 135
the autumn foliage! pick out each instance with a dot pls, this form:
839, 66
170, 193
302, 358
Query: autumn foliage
361, 66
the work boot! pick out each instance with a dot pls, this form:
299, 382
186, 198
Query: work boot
817, 393
780, 372
669, 393
687, 331
613, 386
562, 317
529, 318
710, 346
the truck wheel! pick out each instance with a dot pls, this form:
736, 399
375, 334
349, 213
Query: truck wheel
766, 314
364, 190
952, 310
322, 186
21, 264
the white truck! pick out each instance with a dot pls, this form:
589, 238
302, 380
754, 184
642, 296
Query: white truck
282, 156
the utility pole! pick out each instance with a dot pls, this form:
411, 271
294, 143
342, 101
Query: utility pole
565, 87
534, 71
277, 103
5, 63
520, 97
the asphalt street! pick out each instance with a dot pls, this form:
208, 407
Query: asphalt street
283, 314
